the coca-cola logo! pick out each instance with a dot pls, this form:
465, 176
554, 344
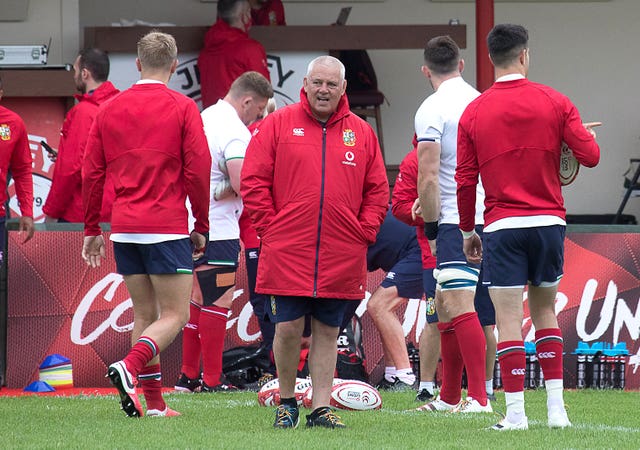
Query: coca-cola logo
107, 289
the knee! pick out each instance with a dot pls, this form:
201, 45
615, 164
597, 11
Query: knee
289, 330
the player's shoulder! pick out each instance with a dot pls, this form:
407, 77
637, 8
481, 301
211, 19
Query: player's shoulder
7, 115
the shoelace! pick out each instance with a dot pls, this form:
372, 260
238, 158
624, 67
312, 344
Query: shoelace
284, 416
332, 418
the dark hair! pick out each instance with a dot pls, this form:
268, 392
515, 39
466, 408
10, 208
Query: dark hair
505, 42
251, 83
95, 61
228, 9
441, 55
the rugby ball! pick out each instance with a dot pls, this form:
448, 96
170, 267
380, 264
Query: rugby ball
355, 395
569, 165
307, 397
269, 394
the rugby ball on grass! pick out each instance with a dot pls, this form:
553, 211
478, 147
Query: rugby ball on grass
307, 397
569, 165
269, 394
355, 395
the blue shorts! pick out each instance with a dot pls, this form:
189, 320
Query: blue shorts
449, 252
329, 311
429, 286
520, 256
406, 275
153, 259
220, 253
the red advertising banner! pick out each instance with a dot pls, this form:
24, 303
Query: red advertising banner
43, 117
56, 304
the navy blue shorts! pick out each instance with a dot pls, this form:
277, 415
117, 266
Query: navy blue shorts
520, 256
329, 311
220, 253
449, 252
429, 286
406, 275
153, 259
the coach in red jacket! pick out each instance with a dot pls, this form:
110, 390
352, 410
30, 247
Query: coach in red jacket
315, 186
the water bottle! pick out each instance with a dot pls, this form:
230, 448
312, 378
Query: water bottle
595, 370
532, 361
621, 371
580, 369
602, 376
497, 375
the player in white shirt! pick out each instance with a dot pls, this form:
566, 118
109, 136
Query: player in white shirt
225, 125
463, 342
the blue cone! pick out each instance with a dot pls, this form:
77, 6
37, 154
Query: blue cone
39, 386
54, 360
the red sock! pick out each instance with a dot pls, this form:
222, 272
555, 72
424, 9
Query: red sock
143, 351
473, 347
150, 379
191, 343
452, 364
511, 358
213, 326
549, 347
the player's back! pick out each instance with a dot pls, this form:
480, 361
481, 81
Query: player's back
516, 128
147, 135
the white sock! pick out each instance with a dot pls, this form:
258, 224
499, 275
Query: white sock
515, 406
488, 384
554, 394
428, 385
406, 376
390, 373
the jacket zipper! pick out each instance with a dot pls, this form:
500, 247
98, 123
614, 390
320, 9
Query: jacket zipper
315, 269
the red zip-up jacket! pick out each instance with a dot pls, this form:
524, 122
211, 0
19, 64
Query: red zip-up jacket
15, 156
317, 195
405, 192
511, 136
228, 52
150, 141
65, 196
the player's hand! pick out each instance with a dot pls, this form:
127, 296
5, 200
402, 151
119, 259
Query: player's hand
199, 242
589, 127
432, 247
472, 248
416, 209
26, 226
93, 250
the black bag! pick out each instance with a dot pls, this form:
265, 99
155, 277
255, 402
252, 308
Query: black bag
245, 365
350, 364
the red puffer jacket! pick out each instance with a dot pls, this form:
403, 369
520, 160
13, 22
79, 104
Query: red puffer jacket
317, 196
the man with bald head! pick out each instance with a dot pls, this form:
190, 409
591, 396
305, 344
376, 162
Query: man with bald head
315, 186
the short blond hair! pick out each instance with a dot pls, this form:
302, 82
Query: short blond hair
157, 50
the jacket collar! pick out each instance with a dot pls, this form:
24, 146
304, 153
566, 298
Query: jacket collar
342, 111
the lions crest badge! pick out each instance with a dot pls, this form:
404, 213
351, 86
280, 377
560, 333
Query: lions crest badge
5, 132
349, 137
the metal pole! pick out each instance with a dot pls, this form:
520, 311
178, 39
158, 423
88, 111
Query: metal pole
484, 24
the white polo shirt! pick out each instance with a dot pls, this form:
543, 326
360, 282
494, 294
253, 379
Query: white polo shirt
228, 139
437, 121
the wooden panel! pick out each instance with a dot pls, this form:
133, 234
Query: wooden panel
38, 82
287, 38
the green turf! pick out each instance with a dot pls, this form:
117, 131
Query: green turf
601, 419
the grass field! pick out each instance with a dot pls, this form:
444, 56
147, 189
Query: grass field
601, 419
